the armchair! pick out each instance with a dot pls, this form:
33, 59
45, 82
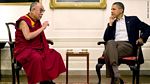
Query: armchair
16, 66
133, 62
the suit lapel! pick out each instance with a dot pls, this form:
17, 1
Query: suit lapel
127, 21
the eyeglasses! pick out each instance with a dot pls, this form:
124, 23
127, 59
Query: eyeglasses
42, 10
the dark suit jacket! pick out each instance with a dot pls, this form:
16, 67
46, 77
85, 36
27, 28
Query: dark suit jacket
133, 25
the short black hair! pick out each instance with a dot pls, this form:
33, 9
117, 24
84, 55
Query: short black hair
120, 4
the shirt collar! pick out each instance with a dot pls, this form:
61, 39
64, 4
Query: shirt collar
122, 18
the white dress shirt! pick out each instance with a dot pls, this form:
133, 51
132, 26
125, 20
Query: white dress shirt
121, 30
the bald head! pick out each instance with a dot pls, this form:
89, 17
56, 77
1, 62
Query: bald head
36, 10
34, 4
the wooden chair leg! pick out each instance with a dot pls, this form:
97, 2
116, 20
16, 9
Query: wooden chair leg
133, 76
137, 74
133, 69
18, 68
13, 74
17, 76
98, 66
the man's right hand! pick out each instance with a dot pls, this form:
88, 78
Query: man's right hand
45, 24
111, 20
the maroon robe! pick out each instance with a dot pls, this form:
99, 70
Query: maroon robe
38, 60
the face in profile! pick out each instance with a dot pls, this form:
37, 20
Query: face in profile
38, 11
116, 11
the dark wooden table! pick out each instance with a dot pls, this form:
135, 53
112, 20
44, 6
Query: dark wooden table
2, 45
77, 54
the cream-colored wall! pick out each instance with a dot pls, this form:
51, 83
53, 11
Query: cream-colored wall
76, 29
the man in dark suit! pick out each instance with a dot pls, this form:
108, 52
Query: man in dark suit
122, 36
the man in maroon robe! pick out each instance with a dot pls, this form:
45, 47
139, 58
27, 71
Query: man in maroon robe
40, 63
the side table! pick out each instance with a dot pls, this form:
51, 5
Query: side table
83, 53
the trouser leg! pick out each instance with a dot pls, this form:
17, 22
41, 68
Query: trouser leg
110, 54
113, 51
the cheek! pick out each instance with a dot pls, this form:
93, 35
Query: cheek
37, 14
118, 12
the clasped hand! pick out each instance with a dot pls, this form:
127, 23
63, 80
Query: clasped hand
139, 42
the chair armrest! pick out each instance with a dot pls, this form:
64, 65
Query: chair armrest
50, 41
101, 42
